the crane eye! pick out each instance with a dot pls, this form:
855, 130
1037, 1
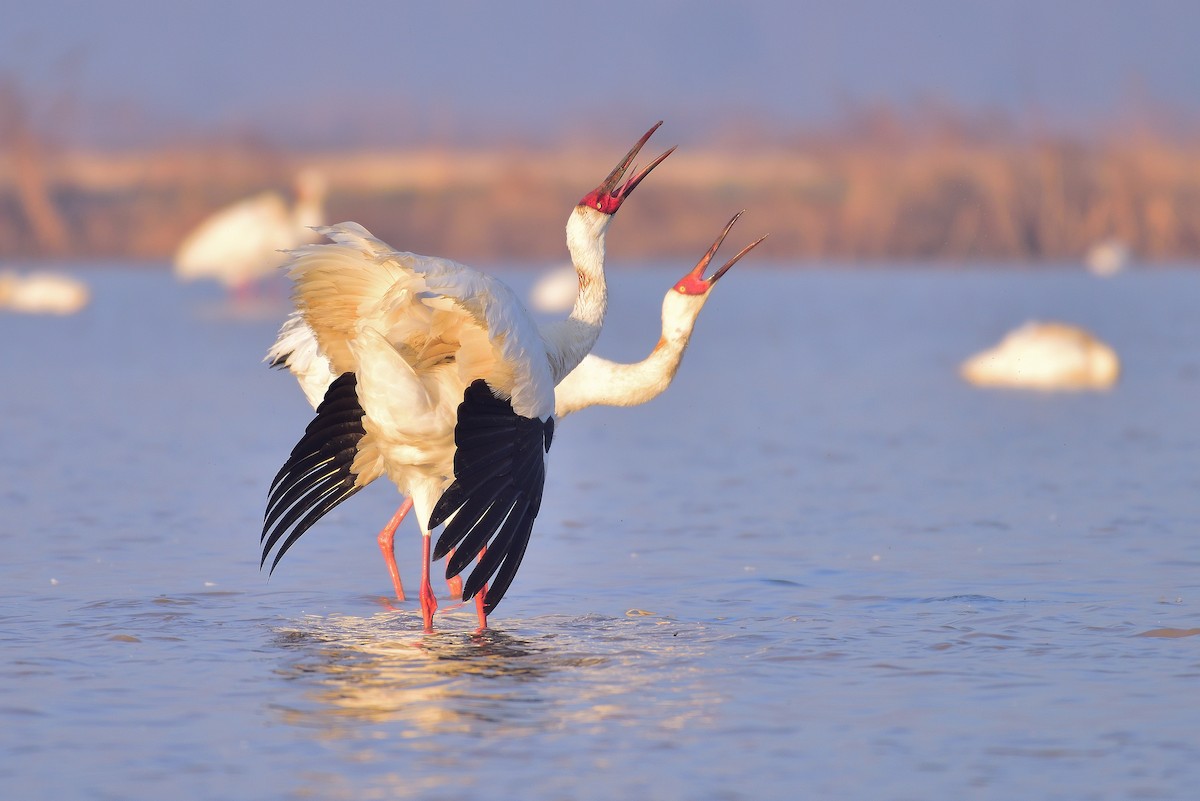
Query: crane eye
599, 205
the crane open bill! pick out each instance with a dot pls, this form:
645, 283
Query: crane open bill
611, 193
694, 283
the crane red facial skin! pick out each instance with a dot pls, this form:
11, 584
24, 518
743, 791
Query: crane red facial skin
609, 196
694, 283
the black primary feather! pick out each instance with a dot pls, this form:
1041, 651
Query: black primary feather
316, 477
499, 473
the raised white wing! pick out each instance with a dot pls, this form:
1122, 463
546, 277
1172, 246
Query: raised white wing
440, 368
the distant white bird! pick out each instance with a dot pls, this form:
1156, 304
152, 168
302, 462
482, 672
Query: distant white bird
554, 291
1046, 356
595, 382
242, 243
445, 384
1107, 258
42, 293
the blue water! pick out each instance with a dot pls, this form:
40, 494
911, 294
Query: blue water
820, 566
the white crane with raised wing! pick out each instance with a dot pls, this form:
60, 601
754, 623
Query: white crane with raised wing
445, 384
596, 381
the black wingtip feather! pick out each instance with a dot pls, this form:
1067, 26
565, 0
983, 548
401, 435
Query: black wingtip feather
499, 474
315, 514
498, 549
508, 569
316, 476
476, 538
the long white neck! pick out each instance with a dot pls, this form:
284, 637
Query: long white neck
600, 382
568, 341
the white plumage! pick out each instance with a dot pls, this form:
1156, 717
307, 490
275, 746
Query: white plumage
416, 331
444, 383
595, 381
296, 349
244, 242
600, 382
1046, 356
42, 293
1107, 258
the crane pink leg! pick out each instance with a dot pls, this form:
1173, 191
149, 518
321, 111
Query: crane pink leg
387, 546
428, 601
479, 596
454, 582
243, 293
479, 609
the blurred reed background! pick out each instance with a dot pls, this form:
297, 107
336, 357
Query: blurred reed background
882, 185
940, 173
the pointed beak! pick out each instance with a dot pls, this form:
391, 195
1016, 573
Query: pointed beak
611, 185
697, 274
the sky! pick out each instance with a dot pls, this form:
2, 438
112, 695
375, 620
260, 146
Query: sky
380, 73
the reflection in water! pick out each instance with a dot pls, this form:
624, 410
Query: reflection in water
357, 671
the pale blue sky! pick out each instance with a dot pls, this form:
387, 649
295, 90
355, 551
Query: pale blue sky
381, 72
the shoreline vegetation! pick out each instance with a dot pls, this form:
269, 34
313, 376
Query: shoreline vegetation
880, 191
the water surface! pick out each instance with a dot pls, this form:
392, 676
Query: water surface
819, 566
